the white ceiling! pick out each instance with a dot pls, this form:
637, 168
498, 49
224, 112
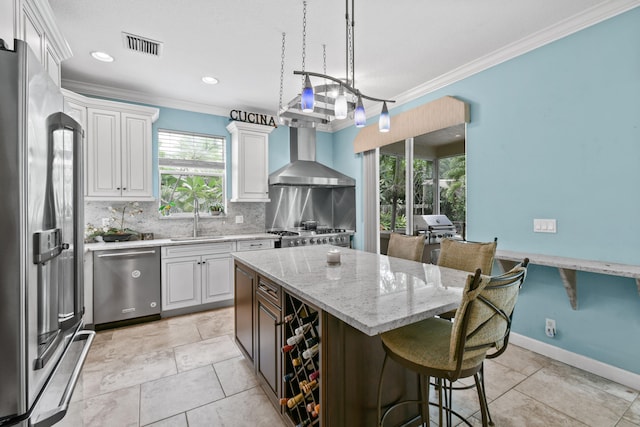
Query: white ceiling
403, 48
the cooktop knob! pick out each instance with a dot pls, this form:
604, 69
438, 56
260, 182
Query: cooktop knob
312, 240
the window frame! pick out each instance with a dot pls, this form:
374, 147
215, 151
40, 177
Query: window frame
192, 165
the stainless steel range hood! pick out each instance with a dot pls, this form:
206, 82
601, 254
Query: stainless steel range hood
303, 170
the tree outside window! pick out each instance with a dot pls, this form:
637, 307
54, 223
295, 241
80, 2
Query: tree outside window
192, 172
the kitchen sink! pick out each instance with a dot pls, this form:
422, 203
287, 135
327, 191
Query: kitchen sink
198, 238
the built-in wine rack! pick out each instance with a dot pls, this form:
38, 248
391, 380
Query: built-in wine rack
301, 350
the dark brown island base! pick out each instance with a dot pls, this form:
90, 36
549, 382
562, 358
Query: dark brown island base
311, 329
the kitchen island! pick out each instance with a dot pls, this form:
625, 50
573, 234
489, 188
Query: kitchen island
278, 293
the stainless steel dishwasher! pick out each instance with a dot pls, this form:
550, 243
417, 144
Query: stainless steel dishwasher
126, 284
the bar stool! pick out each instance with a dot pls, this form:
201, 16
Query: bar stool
407, 247
448, 351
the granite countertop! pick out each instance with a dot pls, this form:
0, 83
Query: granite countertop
373, 293
88, 247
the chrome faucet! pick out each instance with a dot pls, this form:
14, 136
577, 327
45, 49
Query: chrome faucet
196, 216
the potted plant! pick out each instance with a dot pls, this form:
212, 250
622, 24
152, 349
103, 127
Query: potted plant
216, 208
113, 229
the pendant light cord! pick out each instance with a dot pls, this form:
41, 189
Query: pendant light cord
304, 36
281, 76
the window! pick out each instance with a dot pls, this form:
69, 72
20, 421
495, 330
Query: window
438, 182
192, 172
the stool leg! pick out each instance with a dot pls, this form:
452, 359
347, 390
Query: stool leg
448, 400
482, 397
424, 399
384, 364
440, 407
484, 390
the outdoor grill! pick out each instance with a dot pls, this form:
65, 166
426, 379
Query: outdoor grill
435, 228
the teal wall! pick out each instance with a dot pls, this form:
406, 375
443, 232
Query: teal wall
555, 133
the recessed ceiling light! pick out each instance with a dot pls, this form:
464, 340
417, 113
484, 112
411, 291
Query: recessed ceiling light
102, 56
210, 80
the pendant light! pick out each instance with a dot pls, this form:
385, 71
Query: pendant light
384, 123
332, 102
359, 116
341, 108
307, 100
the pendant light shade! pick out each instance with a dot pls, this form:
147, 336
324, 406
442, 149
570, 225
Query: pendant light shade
384, 123
341, 108
307, 99
359, 115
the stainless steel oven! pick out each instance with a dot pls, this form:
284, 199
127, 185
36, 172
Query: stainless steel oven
318, 236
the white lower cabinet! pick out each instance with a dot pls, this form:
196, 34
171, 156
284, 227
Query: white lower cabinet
217, 273
196, 274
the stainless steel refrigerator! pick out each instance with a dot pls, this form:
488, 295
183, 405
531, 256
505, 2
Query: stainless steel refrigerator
41, 245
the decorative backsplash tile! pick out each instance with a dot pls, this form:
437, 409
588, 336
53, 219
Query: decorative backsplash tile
150, 220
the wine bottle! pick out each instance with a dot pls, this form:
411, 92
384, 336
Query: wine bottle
311, 342
295, 339
295, 400
307, 387
303, 329
287, 348
303, 423
288, 377
296, 362
316, 411
314, 375
310, 352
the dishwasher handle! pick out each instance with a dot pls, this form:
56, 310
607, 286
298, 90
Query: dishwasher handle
126, 254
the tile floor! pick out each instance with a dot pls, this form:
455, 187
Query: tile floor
187, 371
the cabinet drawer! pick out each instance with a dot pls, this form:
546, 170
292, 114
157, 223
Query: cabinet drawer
270, 291
198, 249
252, 245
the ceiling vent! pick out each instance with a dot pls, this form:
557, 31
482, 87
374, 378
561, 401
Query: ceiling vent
142, 44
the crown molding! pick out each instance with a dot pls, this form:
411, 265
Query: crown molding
144, 98
588, 18
44, 14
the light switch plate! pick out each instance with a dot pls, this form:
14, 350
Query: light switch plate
544, 226
239, 219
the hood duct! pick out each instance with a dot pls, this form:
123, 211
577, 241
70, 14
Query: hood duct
304, 170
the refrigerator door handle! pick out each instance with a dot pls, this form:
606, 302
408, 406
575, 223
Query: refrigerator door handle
65, 316
54, 415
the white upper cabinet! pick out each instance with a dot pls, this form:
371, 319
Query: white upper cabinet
118, 150
249, 162
33, 22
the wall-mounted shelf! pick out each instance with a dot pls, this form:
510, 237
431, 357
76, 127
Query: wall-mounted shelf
568, 267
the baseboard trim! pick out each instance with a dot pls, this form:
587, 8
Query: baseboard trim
627, 378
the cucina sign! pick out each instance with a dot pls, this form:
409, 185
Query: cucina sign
259, 119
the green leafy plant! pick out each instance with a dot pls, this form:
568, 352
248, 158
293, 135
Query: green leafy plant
178, 193
216, 207
114, 225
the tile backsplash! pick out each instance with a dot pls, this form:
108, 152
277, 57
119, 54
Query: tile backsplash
150, 221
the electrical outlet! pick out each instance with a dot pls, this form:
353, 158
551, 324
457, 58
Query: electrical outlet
550, 328
239, 219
